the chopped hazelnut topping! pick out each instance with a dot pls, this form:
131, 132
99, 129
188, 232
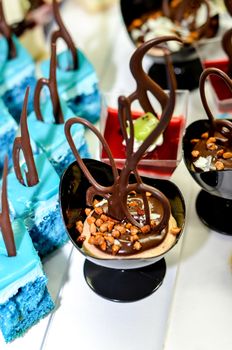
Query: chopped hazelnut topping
91, 219
115, 248
219, 165
92, 228
211, 140
194, 141
211, 146
205, 135
227, 155
104, 217
98, 222
115, 234
87, 211
98, 210
137, 245
195, 153
134, 238
145, 229
220, 152
103, 227
103, 246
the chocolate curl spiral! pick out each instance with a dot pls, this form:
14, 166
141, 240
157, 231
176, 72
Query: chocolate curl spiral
221, 125
143, 82
64, 34
5, 224
51, 83
227, 47
228, 4
23, 144
6, 32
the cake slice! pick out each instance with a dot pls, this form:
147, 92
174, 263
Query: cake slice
36, 184
8, 129
24, 298
46, 123
17, 71
77, 82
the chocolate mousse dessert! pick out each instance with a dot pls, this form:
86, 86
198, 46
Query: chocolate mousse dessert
129, 219
213, 149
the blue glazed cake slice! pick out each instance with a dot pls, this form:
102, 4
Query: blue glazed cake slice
15, 75
24, 298
38, 205
8, 129
79, 88
51, 139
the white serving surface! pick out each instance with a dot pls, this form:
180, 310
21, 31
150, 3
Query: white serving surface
192, 310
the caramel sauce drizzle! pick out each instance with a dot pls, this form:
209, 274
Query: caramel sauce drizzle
51, 83
5, 224
221, 125
117, 193
23, 144
6, 32
64, 34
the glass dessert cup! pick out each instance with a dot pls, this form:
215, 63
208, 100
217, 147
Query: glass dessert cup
185, 61
116, 279
163, 160
214, 202
212, 55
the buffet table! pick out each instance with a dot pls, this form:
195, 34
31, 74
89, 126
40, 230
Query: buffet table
192, 308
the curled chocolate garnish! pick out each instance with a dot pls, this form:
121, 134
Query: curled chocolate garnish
23, 144
117, 194
227, 47
5, 224
64, 34
223, 126
6, 32
51, 83
228, 4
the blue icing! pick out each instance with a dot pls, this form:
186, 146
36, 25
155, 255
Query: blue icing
69, 78
79, 88
28, 197
15, 75
14, 268
51, 137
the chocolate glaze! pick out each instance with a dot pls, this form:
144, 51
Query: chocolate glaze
51, 83
5, 223
64, 34
117, 193
23, 144
6, 32
227, 47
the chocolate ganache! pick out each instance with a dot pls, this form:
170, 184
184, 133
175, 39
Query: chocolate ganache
213, 149
113, 227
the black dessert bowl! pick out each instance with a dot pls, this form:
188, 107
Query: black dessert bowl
117, 279
214, 201
186, 61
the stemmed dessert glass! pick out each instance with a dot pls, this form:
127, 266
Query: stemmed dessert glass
131, 279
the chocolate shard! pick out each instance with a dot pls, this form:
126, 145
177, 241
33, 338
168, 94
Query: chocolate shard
5, 30
64, 34
221, 125
51, 83
228, 4
5, 224
23, 144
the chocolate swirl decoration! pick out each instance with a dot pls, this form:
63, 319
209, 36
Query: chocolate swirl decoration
228, 4
118, 192
190, 7
64, 34
23, 144
227, 47
6, 32
51, 83
5, 224
223, 126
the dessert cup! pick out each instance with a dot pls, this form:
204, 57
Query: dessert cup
185, 61
115, 279
214, 202
164, 159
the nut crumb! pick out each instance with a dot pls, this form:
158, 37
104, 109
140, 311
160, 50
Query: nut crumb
195, 153
219, 165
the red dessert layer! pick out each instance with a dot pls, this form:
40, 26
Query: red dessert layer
220, 88
162, 161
